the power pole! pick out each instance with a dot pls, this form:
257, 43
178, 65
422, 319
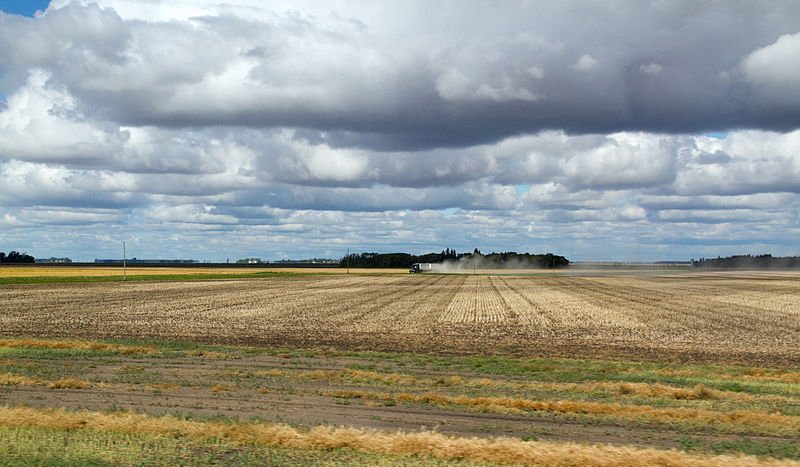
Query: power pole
348, 260
124, 262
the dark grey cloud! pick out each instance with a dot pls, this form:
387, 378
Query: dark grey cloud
488, 72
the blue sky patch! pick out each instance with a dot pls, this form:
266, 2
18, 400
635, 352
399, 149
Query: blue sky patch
23, 7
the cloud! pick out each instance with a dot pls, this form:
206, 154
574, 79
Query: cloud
479, 76
745, 162
44, 123
79, 216
453, 85
773, 75
624, 161
586, 63
189, 214
651, 68
285, 129
36, 184
776, 64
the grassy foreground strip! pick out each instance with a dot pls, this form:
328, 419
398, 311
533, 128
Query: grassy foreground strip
426, 444
735, 421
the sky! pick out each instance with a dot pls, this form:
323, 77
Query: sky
211, 130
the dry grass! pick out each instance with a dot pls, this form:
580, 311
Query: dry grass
662, 391
385, 378
493, 450
649, 390
351, 375
752, 374
212, 354
217, 388
74, 345
739, 420
70, 383
792, 377
8, 379
160, 387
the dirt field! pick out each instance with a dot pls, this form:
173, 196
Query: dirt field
679, 367
751, 318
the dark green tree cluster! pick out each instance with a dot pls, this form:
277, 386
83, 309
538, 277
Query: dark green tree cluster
379, 260
748, 261
512, 259
509, 259
16, 257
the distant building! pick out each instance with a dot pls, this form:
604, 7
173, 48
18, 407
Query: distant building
250, 261
147, 261
53, 260
309, 261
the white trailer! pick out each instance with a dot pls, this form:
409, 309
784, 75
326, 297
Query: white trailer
421, 267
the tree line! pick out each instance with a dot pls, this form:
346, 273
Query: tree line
508, 259
16, 257
748, 261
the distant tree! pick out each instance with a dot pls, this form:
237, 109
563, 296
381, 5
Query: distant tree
508, 259
749, 261
16, 257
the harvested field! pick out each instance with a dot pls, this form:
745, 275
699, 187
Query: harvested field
751, 318
78, 271
7, 271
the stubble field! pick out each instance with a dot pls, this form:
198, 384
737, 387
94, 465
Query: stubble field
117, 272
723, 317
572, 368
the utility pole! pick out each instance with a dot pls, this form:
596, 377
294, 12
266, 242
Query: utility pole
348, 260
124, 262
